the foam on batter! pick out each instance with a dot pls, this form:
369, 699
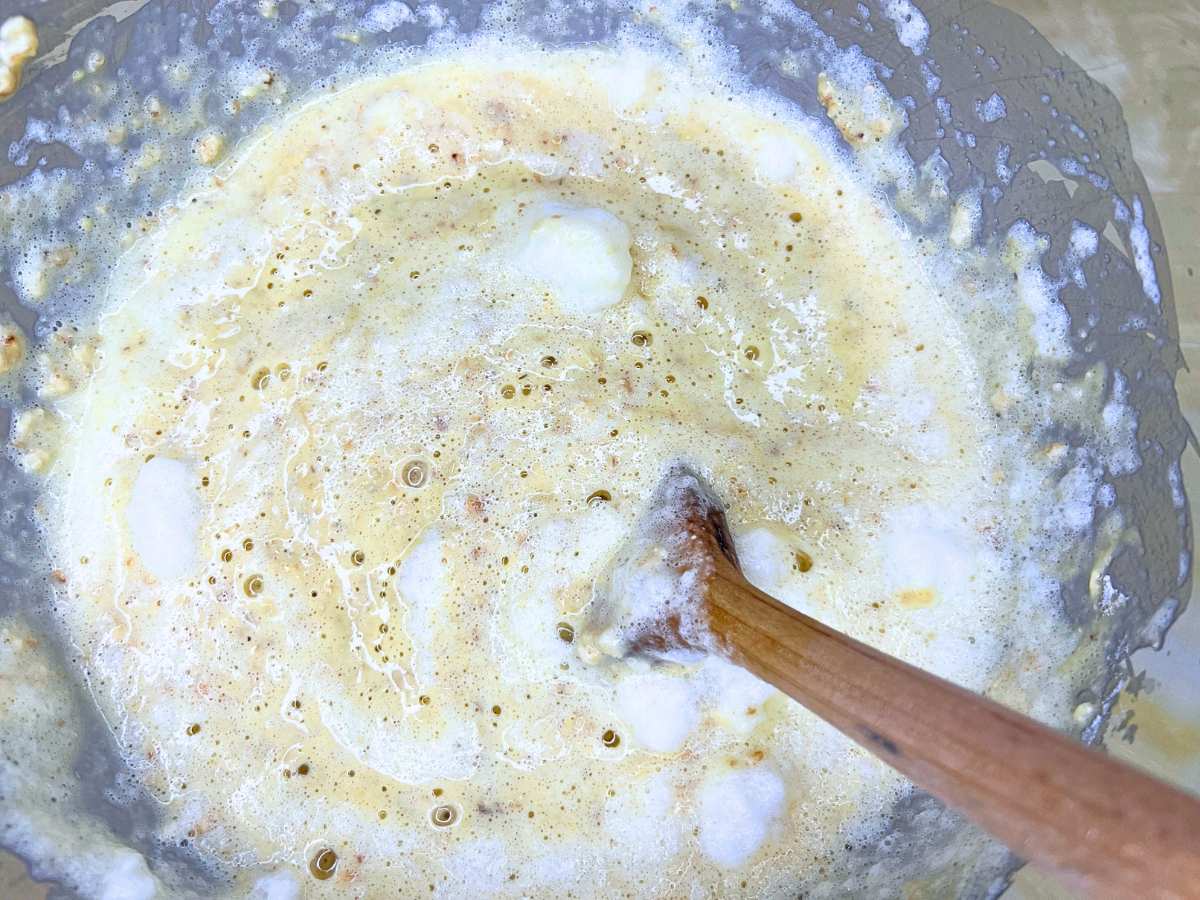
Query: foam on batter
737, 812
912, 28
128, 878
163, 516
661, 711
772, 563
277, 886
582, 255
378, 403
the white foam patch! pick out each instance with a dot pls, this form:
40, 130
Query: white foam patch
1139, 239
421, 580
1075, 494
128, 879
1175, 478
737, 812
163, 516
387, 16
1051, 322
412, 751
1112, 598
932, 80
1083, 244
914, 414
226, 249
734, 695
580, 545
930, 549
1120, 424
661, 710
992, 109
581, 255
567, 552
276, 886
768, 563
626, 83
1003, 171
1084, 241
912, 28
965, 216
778, 157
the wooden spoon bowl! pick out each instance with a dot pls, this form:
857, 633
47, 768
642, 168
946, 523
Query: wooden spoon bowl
1105, 828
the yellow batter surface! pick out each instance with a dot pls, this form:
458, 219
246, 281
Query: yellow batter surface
362, 420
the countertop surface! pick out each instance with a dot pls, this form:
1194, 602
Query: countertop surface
1148, 55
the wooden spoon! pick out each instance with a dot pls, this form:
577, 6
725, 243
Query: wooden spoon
1105, 828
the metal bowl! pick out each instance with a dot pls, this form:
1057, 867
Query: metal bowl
1060, 156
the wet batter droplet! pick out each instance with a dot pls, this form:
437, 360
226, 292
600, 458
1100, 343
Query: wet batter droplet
565, 631
641, 338
508, 392
610, 738
358, 557
253, 585
804, 562
323, 864
260, 379
751, 353
596, 498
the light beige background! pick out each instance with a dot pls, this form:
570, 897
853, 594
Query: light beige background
1148, 54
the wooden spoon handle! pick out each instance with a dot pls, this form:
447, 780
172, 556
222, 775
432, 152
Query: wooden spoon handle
1107, 829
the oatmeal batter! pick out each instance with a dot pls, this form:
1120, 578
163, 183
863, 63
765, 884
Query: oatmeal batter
332, 473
